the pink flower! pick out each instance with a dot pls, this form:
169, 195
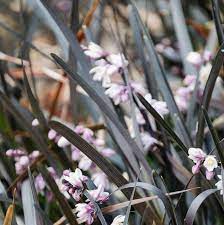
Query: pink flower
189, 80
196, 155
88, 134
139, 117
52, 134
148, 141
118, 61
137, 87
39, 183
94, 51
119, 93
85, 213
159, 106
85, 163
209, 174
196, 167
107, 152
34, 155
76, 154
99, 195
79, 129
72, 182
101, 179
207, 56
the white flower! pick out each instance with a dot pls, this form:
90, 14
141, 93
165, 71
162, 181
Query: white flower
219, 184
35, 122
196, 154
94, 51
159, 106
210, 163
63, 142
118, 220
101, 72
194, 58
85, 213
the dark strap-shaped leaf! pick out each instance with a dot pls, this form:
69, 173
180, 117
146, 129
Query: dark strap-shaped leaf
155, 191
214, 136
207, 94
191, 213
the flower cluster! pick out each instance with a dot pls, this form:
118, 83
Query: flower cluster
201, 159
22, 159
74, 184
109, 69
203, 64
84, 162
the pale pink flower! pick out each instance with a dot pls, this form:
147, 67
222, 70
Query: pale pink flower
79, 129
189, 80
196, 167
210, 163
76, 154
87, 134
34, 155
137, 87
196, 155
159, 106
119, 93
52, 134
195, 59
139, 117
100, 178
148, 141
15, 153
118, 220
94, 51
209, 174
219, 184
24, 161
39, 183
107, 152
118, 60
35, 122
85, 163
85, 213
181, 103
207, 56
99, 195
73, 183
